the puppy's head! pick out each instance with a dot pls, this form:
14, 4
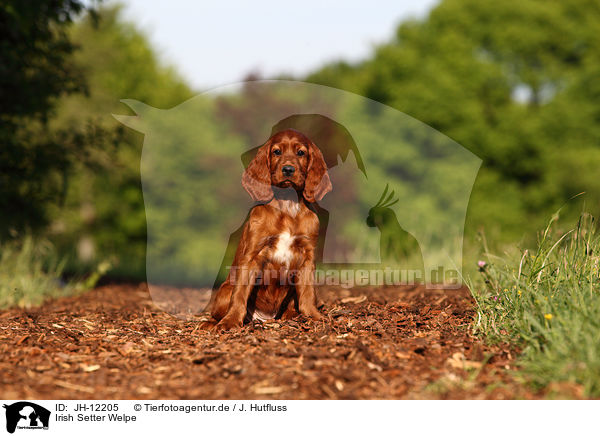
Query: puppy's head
287, 160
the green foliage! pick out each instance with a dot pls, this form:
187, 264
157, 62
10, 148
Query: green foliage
35, 56
104, 207
515, 83
36, 69
547, 302
65, 161
31, 272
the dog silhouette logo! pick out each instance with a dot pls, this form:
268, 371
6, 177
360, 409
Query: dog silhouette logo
196, 207
26, 415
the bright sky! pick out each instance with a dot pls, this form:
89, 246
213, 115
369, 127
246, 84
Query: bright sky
213, 43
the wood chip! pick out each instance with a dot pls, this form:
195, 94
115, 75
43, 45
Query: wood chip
42, 368
371, 365
354, 300
90, 368
458, 361
268, 390
126, 348
74, 387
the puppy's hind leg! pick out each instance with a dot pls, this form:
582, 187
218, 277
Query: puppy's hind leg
289, 306
219, 306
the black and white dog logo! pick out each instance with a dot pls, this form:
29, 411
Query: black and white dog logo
26, 415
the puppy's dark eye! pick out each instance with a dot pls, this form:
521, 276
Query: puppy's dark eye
301, 153
277, 152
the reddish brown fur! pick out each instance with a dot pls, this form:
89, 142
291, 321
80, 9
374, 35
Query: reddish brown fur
254, 284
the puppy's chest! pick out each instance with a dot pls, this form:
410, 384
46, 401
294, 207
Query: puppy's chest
285, 248
282, 251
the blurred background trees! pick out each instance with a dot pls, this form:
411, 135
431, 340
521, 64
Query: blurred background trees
36, 69
518, 84
515, 83
103, 213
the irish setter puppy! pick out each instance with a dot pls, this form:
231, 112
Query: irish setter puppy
273, 268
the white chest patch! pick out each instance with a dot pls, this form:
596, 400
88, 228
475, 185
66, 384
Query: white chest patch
283, 251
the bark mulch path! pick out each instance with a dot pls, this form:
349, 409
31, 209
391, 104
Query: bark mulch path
377, 343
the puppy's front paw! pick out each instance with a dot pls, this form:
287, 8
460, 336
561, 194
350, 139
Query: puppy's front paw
316, 316
208, 325
229, 323
312, 312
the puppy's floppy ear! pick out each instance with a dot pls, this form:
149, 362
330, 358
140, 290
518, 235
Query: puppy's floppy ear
317, 182
256, 180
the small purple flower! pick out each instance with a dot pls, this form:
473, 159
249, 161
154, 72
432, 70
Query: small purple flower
481, 264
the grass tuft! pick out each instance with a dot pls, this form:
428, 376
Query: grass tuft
547, 301
31, 272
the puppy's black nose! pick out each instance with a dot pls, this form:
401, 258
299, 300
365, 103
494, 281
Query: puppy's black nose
288, 170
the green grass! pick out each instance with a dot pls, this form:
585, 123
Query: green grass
547, 302
31, 272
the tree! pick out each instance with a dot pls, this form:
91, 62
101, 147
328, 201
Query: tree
515, 83
36, 69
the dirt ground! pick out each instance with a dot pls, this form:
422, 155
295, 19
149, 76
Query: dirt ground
376, 343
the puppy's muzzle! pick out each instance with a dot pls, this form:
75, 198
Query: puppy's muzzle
288, 170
